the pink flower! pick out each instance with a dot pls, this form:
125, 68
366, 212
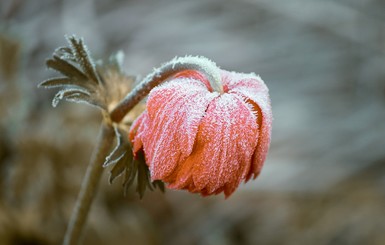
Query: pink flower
203, 141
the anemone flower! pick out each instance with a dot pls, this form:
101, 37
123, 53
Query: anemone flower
206, 142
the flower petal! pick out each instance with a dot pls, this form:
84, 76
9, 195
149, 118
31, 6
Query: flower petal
137, 129
175, 110
224, 146
254, 89
196, 75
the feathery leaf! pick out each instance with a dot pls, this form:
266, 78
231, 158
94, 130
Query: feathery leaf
84, 98
65, 53
57, 82
64, 93
65, 68
82, 56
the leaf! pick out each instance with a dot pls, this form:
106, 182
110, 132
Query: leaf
122, 147
84, 98
114, 157
78, 95
122, 157
65, 53
159, 184
57, 82
143, 179
118, 168
117, 153
66, 68
129, 176
132, 168
83, 57
64, 93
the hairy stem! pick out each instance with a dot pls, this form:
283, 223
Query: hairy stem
89, 185
106, 135
207, 67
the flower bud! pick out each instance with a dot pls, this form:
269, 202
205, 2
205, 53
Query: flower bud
197, 139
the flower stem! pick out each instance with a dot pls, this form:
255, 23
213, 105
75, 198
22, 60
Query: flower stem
204, 65
89, 185
106, 135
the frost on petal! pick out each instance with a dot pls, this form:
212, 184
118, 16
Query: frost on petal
224, 146
137, 129
175, 110
254, 90
196, 75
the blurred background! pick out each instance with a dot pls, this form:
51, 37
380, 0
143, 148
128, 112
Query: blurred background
324, 178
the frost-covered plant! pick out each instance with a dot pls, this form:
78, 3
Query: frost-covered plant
203, 140
204, 129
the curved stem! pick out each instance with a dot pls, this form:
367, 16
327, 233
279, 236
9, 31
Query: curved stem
95, 168
89, 185
204, 65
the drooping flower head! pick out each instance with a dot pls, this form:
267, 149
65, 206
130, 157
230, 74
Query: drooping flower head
207, 142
